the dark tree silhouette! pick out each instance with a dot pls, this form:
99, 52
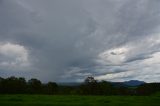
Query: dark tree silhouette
90, 79
35, 86
51, 88
14, 85
90, 86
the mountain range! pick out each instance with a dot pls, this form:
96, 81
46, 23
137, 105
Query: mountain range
125, 83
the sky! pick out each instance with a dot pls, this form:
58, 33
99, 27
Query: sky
68, 40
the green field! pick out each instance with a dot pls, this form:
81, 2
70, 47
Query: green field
46, 100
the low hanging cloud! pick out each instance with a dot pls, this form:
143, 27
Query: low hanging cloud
68, 40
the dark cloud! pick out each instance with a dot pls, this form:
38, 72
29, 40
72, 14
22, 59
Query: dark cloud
65, 39
138, 58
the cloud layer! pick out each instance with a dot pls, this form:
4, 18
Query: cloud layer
68, 40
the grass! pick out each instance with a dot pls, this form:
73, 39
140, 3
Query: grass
47, 100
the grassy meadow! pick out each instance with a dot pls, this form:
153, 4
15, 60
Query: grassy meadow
65, 100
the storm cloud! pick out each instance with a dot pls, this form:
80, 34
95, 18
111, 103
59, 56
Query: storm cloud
68, 40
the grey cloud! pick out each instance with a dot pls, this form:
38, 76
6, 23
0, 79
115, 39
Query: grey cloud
137, 58
64, 34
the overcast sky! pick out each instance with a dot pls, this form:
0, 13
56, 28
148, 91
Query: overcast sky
68, 40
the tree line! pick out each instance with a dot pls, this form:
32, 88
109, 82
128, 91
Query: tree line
90, 86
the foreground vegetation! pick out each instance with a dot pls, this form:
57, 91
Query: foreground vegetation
13, 85
68, 100
19, 92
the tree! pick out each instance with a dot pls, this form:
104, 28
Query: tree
90, 86
35, 86
105, 88
148, 88
51, 88
13, 85
1, 86
90, 79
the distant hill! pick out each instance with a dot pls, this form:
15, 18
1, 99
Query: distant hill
133, 83
127, 83
118, 84
69, 83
